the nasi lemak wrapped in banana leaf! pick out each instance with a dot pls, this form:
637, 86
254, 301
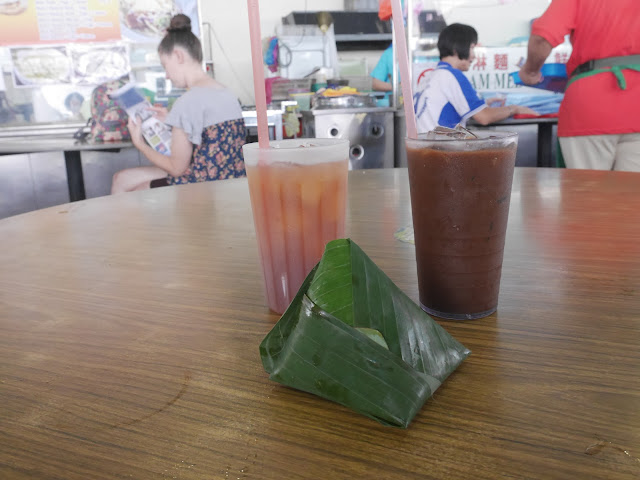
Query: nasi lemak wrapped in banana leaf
351, 336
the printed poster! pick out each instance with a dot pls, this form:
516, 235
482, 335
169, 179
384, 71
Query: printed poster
33, 22
147, 21
41, 66
82, 42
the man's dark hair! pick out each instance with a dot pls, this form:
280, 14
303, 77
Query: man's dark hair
456, 39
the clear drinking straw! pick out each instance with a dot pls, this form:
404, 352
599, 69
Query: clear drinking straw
258, 73
403, 61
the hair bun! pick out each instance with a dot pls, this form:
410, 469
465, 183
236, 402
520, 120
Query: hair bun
179, 23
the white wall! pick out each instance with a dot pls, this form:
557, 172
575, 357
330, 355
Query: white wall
230, 23
497, 21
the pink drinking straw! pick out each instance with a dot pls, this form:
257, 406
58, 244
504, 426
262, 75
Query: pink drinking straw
403, 61
258, 73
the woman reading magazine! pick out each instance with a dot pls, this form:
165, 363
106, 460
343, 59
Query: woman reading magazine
207, 129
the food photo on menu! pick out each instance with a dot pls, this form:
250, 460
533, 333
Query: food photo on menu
148, 19
13, 7
94, 64
40, 66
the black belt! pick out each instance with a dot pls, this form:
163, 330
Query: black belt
605, 63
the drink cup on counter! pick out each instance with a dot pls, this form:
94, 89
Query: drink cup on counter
298, 192
460, 193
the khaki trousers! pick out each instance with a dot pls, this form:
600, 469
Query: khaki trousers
602, 152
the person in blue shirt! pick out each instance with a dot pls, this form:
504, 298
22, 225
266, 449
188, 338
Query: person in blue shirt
446, 97
383, 76
383, 71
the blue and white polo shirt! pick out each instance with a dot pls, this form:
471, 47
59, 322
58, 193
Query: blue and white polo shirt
446, 98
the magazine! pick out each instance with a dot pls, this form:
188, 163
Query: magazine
132, 100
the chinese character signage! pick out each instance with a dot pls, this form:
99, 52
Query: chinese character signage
490, 71
493, 65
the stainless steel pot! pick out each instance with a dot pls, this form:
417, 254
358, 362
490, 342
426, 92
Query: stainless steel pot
345, 101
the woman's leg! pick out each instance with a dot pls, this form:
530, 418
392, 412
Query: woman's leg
137, 178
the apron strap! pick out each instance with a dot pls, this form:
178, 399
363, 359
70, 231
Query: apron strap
616, 70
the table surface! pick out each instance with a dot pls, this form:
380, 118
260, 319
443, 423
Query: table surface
53, 143
518, 121
527, 121
130, 325
545, 157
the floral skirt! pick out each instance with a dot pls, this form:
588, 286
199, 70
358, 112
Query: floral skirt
219, 155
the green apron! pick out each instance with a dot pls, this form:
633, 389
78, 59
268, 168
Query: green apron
616, 70
622, 83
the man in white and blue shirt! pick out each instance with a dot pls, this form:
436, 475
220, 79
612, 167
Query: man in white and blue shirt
446, 96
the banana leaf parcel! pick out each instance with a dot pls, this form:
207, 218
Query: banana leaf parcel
353, 337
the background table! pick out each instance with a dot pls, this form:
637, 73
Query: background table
544, 155
71, 149
130, 325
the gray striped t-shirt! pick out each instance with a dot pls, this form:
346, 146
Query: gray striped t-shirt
201, 107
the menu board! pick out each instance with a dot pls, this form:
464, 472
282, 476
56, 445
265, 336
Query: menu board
59, 21
60, 64
54, 52
37, 22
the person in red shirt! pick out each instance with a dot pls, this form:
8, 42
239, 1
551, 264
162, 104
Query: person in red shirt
599, 118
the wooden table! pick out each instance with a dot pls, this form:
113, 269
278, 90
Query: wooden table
544, 155
129, 332
71, 149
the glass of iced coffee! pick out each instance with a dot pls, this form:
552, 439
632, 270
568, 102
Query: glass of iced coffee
460, 184
298, 192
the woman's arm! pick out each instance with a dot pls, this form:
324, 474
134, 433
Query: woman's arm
181, 150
